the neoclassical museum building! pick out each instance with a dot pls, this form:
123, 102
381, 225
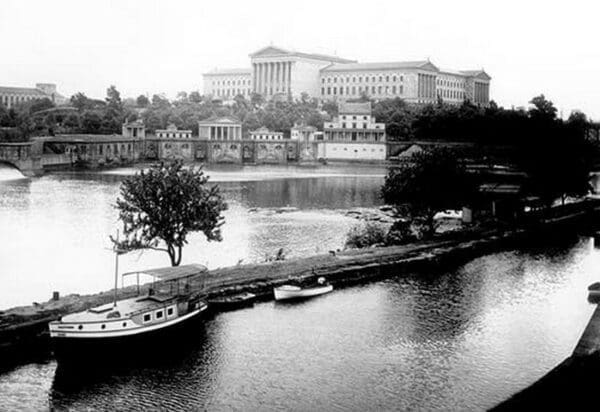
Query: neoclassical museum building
279, 73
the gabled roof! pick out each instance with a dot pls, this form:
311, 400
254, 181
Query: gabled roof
221, 119
278, 51
224, 72
480, 74
349, 67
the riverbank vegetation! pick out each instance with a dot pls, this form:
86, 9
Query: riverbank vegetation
161, 206
491, 125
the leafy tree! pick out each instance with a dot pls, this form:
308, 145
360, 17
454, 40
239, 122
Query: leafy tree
142, 101
257, 99
113, 99
195, 97
432, 181
161, 206
91, 122
542, 108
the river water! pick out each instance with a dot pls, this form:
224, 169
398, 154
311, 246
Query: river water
463, 339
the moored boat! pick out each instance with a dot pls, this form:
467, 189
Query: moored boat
129, 325
286, 292
594, 290
232, 302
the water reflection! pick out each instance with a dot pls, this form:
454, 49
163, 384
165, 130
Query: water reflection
461, 339
64, 220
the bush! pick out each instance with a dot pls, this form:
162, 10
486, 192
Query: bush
365, 235
400, 233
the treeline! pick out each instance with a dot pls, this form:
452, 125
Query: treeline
467, 122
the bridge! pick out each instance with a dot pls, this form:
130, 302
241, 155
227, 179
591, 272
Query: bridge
25, 156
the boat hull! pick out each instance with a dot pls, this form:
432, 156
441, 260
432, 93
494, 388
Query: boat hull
288, 294
72, 350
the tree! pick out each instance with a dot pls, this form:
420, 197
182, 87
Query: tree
432, 181
113, 99
542, 108
161, 206
142, 101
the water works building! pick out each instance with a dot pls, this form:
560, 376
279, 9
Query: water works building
277, 73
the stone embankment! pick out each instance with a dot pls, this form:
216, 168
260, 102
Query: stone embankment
24, 329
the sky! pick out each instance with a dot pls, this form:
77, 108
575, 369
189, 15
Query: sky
529, 47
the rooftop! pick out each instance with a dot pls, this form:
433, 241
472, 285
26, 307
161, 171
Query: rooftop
221, 72
419, 64
221, 119
354, 108
87, 138
22, 90
279, 51
172, 273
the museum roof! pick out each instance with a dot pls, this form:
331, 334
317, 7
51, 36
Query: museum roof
222, 72
279, 51
22, 90
419, 64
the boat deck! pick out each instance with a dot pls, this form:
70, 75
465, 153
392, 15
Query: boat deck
125, 308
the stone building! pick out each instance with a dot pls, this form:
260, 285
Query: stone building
278, 73
265, 134
227, 83
220, 128
171, 132
11, 96
415, 82
135, 129
353, 135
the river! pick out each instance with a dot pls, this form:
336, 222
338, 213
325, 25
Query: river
55, 229
463, 339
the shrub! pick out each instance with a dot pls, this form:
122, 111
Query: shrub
400, 233
365, 235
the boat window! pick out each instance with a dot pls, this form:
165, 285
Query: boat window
159, 314
147, 317
169, 311
80, 327
103, 326
124, 324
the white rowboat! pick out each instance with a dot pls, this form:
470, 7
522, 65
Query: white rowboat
296, 292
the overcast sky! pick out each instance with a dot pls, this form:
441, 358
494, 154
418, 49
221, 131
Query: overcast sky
159, 46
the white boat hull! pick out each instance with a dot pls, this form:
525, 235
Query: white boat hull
292, 292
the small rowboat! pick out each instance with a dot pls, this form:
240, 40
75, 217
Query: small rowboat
286, 292
232, 302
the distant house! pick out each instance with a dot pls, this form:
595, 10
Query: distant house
265, 134
11, 96
171, 132
353, 135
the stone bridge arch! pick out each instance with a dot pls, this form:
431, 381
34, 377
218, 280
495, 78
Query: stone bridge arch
24, 156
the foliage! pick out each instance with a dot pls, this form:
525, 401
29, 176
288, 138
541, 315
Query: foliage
400, 233
161, 206
432, 181
366, 235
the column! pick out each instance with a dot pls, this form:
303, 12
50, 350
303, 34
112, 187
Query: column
253, 76
289, 70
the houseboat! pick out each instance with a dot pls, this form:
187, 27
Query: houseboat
150, 320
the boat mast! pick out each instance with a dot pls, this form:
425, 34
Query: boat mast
116, 270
